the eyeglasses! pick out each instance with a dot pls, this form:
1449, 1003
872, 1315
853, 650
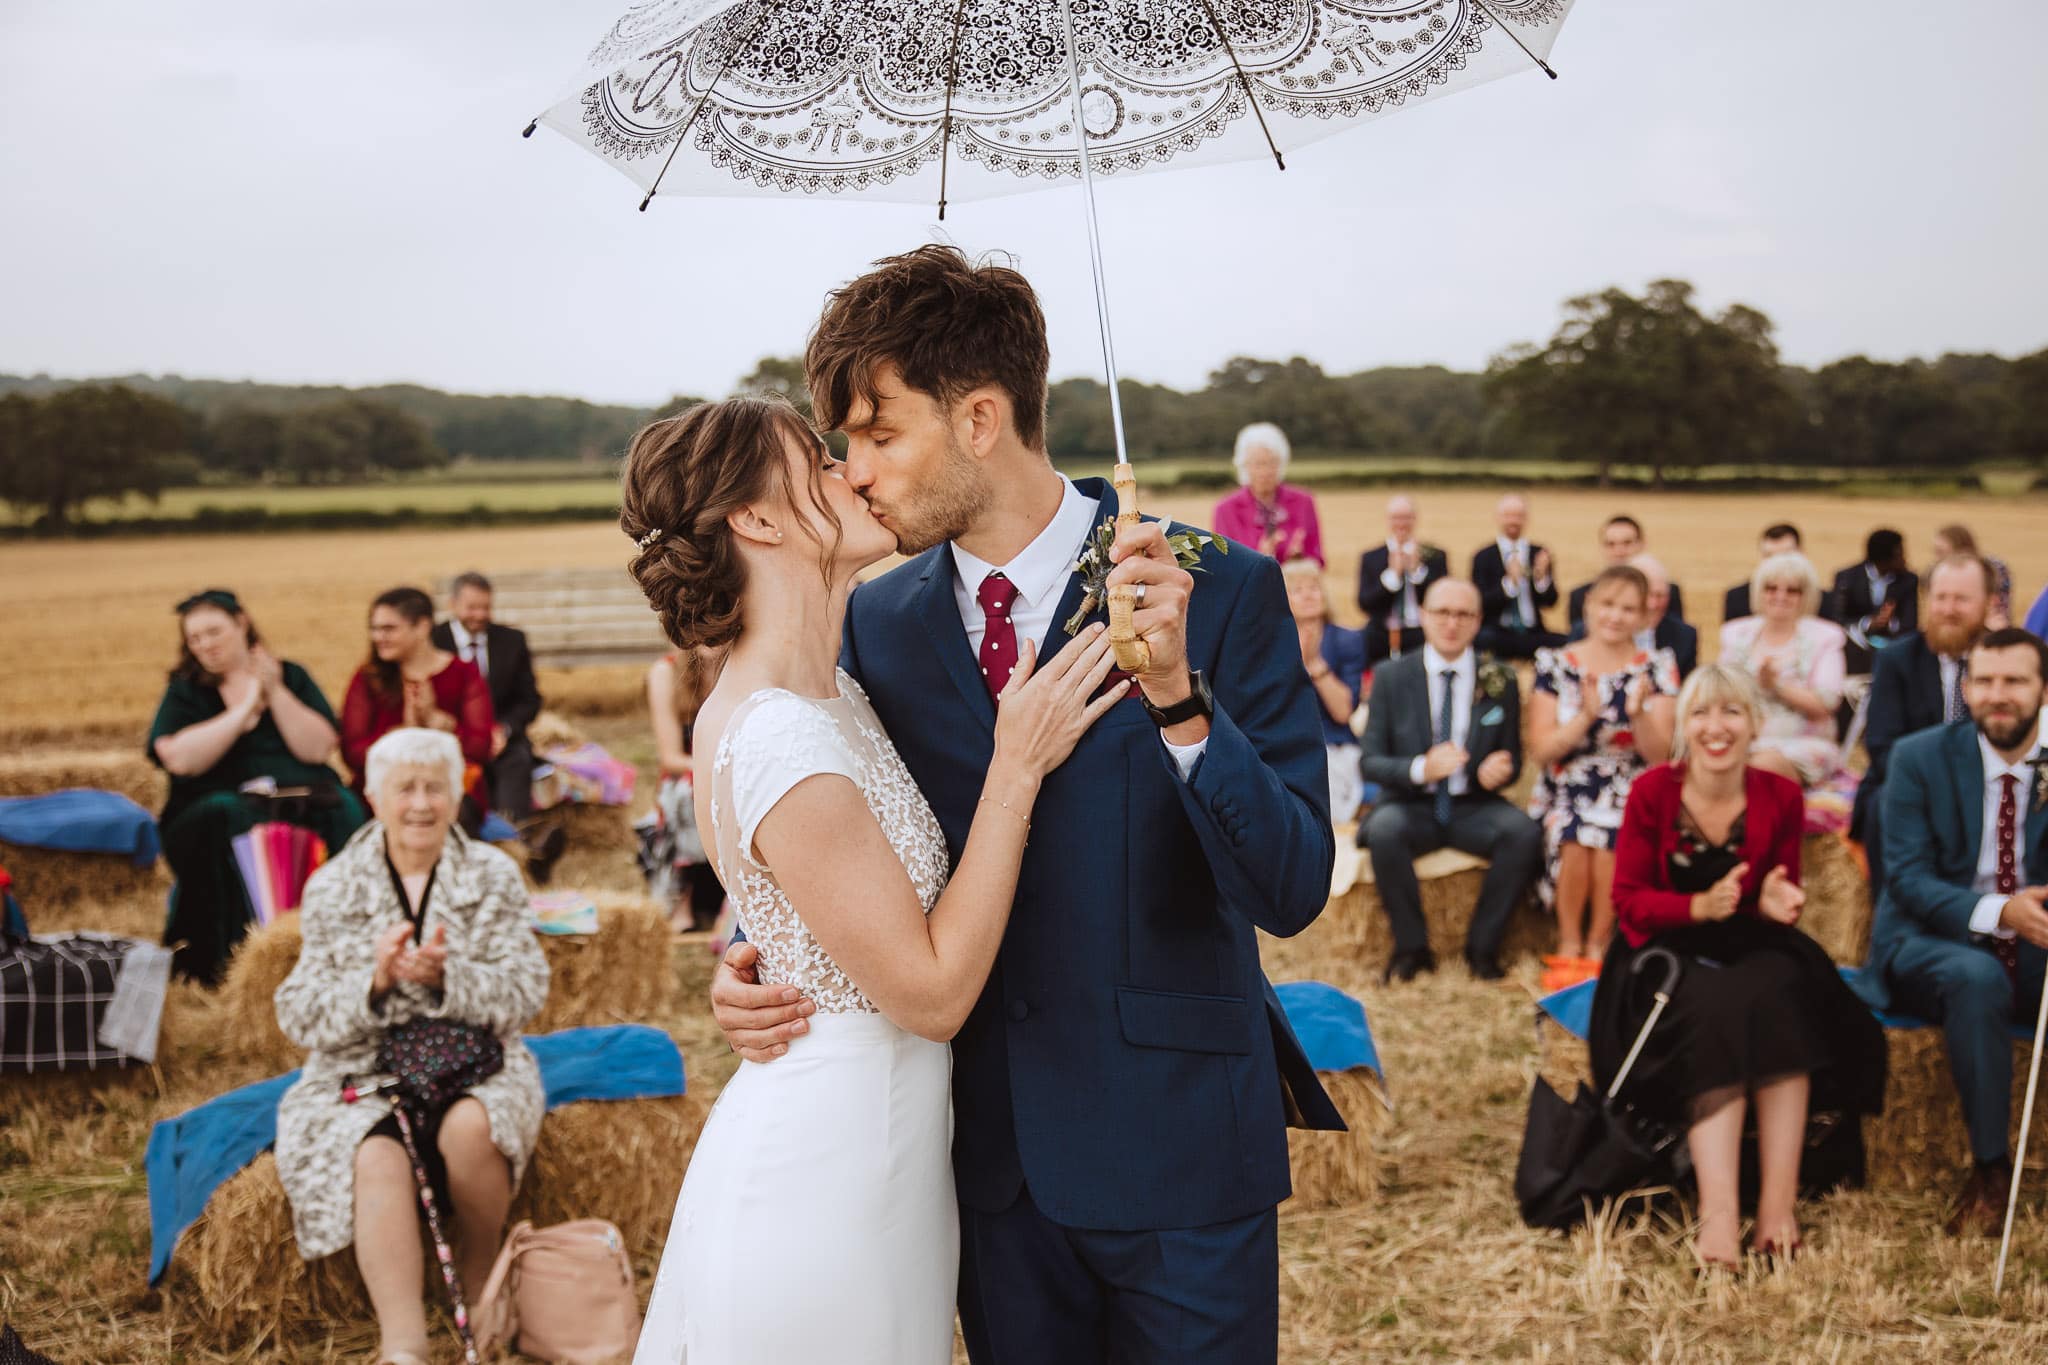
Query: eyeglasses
1449, 615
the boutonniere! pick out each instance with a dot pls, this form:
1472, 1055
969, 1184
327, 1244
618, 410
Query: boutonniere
2040, 782
1094, 565
1495, 679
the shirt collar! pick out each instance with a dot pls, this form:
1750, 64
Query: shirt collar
1042, 567
1996, 767
1875, 576
461, 633
1436, 663
1507, 546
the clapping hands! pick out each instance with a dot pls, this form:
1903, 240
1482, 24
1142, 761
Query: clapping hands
1781, 899
399, 960
1722, 899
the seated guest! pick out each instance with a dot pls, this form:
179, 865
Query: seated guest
1916, 685
1513, 578
1392, 581
413, 921
410, 682
1876, 601
1797, 663
1960, 928
1781, 539
232, 715
1443, 740
1335, 660
1621, 541
1659, 629
1600, 714
500, 654
1265, 514
679, 873
1955, 539
1707, 865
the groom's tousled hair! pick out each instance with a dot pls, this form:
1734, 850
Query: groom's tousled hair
948, 325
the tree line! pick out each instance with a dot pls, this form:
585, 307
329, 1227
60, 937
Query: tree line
1649, 380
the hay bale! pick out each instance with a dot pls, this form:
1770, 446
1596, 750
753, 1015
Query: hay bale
39, 771
1564, 1061
47, 1097
601, 852
617, 1160
1919, 1142
621, 974
1335, 1169
50, 879
1353, 923
1838, 911
618, 975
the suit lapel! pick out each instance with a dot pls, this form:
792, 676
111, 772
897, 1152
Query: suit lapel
1966, 768
1056, 637
1928, 664
941, 616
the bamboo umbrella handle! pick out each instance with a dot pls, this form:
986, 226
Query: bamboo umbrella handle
1133, 655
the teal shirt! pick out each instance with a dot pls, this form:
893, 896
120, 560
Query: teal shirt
260, 753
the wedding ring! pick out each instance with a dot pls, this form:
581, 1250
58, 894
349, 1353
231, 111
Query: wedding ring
1138, 597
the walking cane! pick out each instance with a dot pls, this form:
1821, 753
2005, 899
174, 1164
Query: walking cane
2019, 1164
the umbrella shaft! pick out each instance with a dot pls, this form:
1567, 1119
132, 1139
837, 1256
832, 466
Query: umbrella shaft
1116, 406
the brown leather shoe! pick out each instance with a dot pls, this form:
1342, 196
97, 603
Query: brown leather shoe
1981, 1207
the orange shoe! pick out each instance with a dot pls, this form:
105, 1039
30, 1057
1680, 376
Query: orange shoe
1559, 972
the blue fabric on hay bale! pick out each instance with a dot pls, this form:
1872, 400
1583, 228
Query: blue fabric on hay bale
1331, 1026
81, 820
193, 1154
1572, 1009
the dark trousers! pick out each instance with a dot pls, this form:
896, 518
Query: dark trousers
1379, 642
1484, 825
1504, 642
1035, 1293
1964, 989
509, 777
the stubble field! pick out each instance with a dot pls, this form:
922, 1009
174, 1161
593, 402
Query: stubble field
1434, 1267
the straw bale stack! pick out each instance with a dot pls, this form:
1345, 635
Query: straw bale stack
240, 1268
601, 852
38, 771
1919, 1142
618, 975
55, 880
1561, 1059
1335, 1169
1354, 923
1837, 889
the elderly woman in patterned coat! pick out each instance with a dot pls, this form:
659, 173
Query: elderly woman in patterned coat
414, 919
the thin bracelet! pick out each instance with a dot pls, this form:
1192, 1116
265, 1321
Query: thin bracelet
1012, 809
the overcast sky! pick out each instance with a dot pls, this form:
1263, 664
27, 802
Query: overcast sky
339, 193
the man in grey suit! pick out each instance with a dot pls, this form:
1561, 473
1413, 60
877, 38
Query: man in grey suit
1443, 739
1960, 927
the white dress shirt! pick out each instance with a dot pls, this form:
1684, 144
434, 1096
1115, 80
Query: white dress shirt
480, 656
1518, 552
1394, 582
1990, 901
1465, 678
1040, 573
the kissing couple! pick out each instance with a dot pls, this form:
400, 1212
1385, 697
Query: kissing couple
942, 817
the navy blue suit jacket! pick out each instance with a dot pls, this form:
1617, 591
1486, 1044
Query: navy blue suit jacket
1128, 1058
1905, 698
1933, 831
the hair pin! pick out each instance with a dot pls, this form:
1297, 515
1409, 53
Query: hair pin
644, 541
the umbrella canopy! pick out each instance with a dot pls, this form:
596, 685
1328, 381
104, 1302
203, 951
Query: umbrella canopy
956, 99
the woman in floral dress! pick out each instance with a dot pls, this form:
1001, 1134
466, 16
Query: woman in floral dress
1602, 712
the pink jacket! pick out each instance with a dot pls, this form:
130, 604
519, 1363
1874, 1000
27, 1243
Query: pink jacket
1301, 536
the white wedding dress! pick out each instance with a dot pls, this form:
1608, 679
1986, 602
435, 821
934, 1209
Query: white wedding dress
817, 1221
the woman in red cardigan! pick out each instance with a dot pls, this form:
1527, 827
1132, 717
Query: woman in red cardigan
1707, 864
408, 681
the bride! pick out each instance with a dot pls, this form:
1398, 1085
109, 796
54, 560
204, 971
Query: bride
832, 1166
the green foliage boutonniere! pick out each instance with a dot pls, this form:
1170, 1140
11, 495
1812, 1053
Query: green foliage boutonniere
1094, 565
1495, 679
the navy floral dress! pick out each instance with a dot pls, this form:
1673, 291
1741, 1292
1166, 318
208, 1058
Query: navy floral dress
1579, 798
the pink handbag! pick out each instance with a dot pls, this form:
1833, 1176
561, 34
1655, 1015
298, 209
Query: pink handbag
562, 1294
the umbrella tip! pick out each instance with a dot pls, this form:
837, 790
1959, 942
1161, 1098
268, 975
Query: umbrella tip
1547, 71
942, 210
530, 127
644, 202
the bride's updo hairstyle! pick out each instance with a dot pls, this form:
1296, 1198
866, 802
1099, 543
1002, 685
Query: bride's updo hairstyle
684, 477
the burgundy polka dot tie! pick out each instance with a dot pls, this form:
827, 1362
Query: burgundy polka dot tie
2007, 876
999, 641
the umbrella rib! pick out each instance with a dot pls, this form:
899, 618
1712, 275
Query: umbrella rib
682, 134
1246, 82
1494, 15
952, 79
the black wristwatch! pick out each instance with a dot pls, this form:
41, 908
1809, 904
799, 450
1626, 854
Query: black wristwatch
1199, 702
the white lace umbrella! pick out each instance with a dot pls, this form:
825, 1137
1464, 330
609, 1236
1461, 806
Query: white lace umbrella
937, 100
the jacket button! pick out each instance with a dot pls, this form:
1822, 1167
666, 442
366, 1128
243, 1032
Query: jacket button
1019, 1011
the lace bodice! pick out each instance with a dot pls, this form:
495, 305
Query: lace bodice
775, 740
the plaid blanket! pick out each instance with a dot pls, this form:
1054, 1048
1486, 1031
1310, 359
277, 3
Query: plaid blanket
53, 995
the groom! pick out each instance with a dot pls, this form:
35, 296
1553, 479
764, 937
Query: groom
1121, 1090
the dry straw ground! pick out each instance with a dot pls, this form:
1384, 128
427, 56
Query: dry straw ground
1433, 1265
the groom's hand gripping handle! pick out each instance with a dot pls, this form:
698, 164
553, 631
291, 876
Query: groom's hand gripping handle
758, 1021
1144, 559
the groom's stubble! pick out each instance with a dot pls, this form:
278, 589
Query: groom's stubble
943, 508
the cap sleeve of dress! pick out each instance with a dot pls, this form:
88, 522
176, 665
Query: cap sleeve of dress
782, 741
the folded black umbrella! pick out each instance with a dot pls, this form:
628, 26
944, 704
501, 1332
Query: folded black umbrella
1578, 1153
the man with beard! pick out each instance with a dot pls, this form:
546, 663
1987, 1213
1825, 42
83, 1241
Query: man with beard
1917, 684
1961, 929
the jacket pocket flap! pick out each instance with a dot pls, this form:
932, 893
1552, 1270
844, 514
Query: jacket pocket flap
1191, 1023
